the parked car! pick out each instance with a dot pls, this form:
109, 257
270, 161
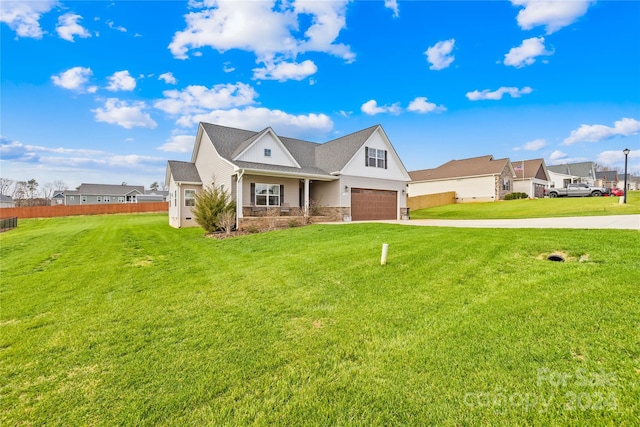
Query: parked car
617, 192
576, 190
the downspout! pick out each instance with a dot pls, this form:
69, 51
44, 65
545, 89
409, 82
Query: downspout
179, 205
239, 196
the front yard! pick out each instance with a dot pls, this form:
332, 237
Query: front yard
123, 320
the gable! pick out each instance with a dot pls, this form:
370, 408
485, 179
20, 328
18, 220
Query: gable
387, 163
267, 149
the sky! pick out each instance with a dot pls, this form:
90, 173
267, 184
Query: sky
108, 91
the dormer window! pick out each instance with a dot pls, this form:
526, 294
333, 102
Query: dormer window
267, 152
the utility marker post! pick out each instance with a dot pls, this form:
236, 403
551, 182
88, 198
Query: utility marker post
383, 258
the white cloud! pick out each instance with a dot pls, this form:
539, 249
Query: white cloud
123, 114
168, 78
121, 80
557, 155
68, 27
228, 68
178, 144
74, 79
439, 55
617, 156
595, 133
23, 16
198, 99
534, 145
552, 14
526, 53
371, 108
420, 105
116, 27
259, 118
269, 29
498, 93
393, 5
283, 71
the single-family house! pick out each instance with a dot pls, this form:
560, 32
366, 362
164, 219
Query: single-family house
355, 177
561, 175
153, 196
7, 201
91, 194
478, 179
633, 182
58, 198
607, 179
531, 177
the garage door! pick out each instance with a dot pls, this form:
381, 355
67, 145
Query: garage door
367, 204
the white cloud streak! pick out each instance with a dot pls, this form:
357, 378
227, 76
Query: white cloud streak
68, 27
421, 105
23, 17
199, 99
497, 94
596, 133
371, 108
439, 55
284, 71
168, 78
127, 115
526, 53
535, 145
178, 144
75, 79
552, 14
121, 80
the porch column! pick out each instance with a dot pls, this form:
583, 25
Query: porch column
239, 195
306, 197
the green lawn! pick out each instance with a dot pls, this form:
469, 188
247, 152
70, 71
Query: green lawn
122, 320
535, 208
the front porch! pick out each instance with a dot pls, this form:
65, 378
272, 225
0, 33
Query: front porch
275, 217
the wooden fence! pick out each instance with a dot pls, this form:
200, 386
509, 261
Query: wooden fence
62, 210
431, 200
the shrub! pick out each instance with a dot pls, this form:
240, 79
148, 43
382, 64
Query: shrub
226, 221
210, 203
516, 195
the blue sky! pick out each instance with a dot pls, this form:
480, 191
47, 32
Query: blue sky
107, 92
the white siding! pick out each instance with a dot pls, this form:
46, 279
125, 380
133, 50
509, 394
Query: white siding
357, 166
211, 166
475, 189
279, 154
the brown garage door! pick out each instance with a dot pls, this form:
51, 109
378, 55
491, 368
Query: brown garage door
367, 204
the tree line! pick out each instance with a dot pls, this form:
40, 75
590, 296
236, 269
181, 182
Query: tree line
30, 193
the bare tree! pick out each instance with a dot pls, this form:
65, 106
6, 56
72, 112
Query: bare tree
6, 185
48, 190
20, 192
59, 185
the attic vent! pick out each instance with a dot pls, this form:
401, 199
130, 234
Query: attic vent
555, 257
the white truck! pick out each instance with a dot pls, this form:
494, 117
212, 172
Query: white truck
577, 190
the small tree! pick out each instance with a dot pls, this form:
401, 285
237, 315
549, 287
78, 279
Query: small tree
226, 221
154, 186
210, 203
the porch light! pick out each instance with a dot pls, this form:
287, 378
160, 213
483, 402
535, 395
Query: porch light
626, 152
346, 188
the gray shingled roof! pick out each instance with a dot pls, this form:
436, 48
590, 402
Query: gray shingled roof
109, 190
313, 158
476, 166
583, 169
184, 171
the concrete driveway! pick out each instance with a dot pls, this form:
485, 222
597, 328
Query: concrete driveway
620, 222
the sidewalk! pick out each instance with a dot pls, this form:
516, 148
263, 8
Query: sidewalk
619, 222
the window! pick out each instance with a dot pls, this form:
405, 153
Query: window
84, 199
189, 197
99, 199
121, 199
376, 158
267, 195
505, 184
267, 152
72, 197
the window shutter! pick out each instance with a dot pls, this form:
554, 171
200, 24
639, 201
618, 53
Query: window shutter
253, 193
281, 194
385, 159
366, 156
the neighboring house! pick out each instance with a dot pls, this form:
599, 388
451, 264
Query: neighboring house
153, 196
607, 179
479, 179
531, 177
355, 177
561, 175
633, 182
7, 202
58, 198
91, 194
